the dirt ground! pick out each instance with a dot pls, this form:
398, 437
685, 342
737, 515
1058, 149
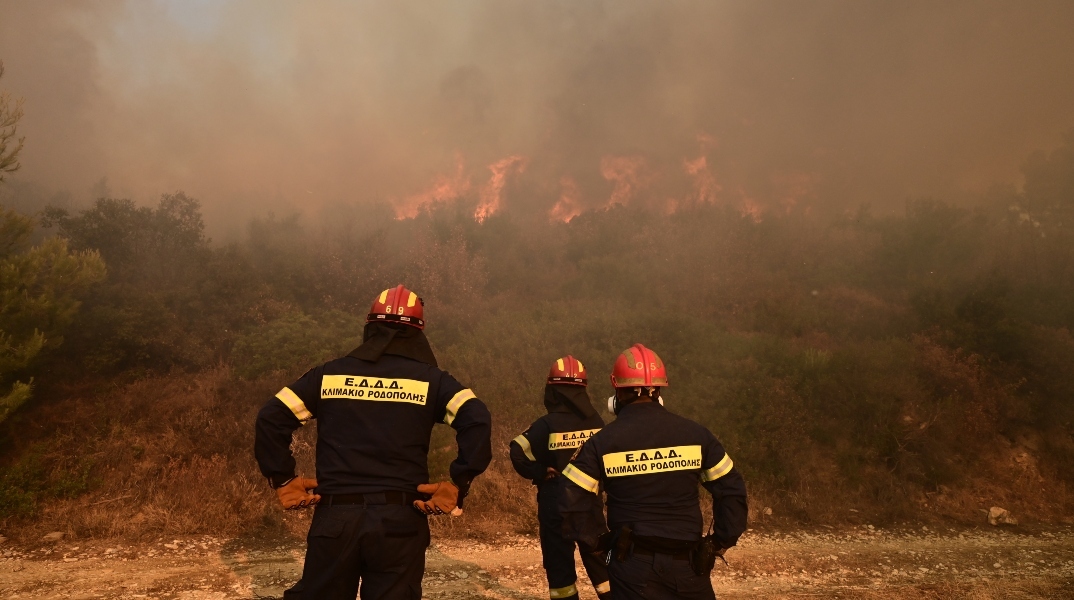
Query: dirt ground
865, 562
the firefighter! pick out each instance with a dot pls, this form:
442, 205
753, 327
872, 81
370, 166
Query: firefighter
650, 461
375, 410
540, 454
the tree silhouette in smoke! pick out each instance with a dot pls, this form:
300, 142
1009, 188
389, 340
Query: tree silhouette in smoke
10, 113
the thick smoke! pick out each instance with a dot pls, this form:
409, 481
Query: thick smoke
545, 107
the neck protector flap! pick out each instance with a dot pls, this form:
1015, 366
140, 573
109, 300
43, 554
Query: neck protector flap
399, 340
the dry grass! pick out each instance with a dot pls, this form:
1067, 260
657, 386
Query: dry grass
167, 455
172, 455
500, 501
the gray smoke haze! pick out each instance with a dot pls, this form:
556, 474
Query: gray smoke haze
257, 105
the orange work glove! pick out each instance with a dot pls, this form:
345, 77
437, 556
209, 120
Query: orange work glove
444, 498
296, 493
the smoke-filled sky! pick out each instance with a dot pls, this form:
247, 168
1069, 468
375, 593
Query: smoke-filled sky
542, 106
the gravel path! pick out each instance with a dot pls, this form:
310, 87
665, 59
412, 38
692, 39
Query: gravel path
864, 562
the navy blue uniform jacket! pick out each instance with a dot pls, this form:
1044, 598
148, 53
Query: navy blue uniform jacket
374, 421
551, 442
650, 462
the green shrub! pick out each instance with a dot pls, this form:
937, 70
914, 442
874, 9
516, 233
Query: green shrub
296, 340
36, 476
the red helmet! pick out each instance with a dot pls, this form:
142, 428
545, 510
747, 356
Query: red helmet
398, 305
639, 366
568, 370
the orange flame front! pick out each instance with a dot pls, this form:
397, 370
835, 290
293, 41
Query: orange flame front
570, 201
627, 173
444, 189
631, 177
749, 207
705, 186
491, 193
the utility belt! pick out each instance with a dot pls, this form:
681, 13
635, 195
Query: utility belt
621, 544
393, 497
640, 551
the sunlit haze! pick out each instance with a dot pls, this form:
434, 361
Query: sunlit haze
548, 108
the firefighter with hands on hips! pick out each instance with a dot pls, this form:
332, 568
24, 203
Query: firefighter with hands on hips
540, 454
375, 411
650, 462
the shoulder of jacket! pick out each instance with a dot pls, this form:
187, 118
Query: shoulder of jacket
340, 366
411, 368
320, 370
613, 425
694, 427
605, 432
437, 373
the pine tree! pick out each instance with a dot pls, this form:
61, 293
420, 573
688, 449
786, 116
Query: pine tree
39, 291
39, 286
10, 113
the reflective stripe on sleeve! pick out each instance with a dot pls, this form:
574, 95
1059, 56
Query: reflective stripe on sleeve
456, 403
719, 470
563, 592
525, 444
582, 480
293, 402
603, 588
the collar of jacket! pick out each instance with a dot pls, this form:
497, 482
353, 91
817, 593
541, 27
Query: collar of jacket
399, 340
639, 407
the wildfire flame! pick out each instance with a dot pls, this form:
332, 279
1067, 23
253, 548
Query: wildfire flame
628, 174
748, 207
570, 201
491, 193
705, 186
443, 189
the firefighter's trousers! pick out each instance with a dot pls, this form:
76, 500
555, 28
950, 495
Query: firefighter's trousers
558, 556
379, 546
657, 577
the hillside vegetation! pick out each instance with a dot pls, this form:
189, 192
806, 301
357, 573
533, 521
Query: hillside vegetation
907, 366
